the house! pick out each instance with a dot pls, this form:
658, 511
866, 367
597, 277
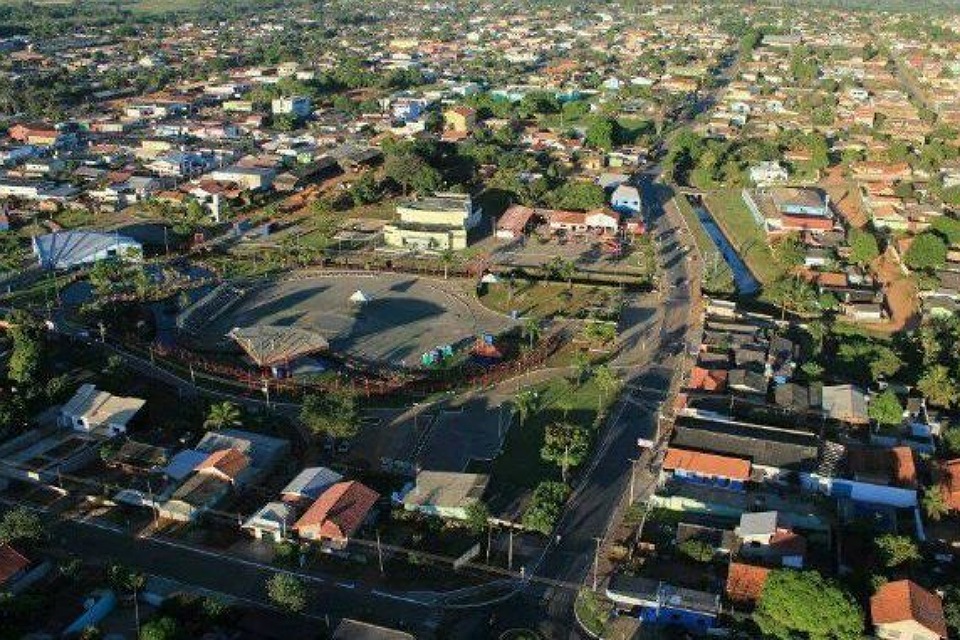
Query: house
298, 106
774, 453
765, 173
250, 178
202, 491
337, 514
437, 222
356, 630
904, 609
845, 403
139, 457
656, 602
444, 494
705, 468
183, 463
69, 249
626, 199
309, 484
229, 465
460, 119
745, 583
263, 451
747, 381
514, 222
950, 483
764, 537
13, 566
98, 412
273, 520
702, 379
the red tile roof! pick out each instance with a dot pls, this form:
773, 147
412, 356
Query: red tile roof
229, 462
745, 582
708, 379
11, 563
906, 600
707, 464
339, 511
950, 483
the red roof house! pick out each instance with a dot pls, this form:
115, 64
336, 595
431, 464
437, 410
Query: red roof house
905, 609
12, 564
745, 582
337, 514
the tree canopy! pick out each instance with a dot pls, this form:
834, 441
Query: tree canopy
802, 604
332, 413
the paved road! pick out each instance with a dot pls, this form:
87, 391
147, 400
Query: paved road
236, 578
653, 339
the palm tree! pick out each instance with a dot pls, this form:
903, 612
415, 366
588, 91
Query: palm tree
524, 404
606, 381
531, 329
223, 414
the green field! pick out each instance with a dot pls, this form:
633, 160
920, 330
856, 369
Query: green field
750, 241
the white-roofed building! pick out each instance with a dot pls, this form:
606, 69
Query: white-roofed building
98, 412
273, 520
309, 484
69, 249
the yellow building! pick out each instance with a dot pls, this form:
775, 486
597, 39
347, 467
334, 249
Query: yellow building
438, 222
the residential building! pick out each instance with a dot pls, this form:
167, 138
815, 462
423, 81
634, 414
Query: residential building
337, 514
626, 199
98, 412
444, 494
903, 609
298, 106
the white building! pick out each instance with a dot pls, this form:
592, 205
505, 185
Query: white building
768, 173
626, 199
69, 249
294, 106
98, 412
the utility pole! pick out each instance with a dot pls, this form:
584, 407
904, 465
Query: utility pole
489, 539
379, 552
510, 552
596, 562
633, 478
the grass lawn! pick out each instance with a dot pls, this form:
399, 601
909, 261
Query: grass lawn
546, 299
384, 210
731, 213
708, 249
520, 466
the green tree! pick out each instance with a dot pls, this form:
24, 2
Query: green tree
802, 604
581, 367
886, 409
951, 608
863, 247
698, 550
927, 252
950, 437
937, 386
21, 525
525, 403
163, 628
531, 329
545, 507
935, 503
287, 592
478, 515
602, 133
222, 415
332, 413
948, 227
447, 258
577, 195
606, 381
566, 446
897, 550
27, 355
562, 269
